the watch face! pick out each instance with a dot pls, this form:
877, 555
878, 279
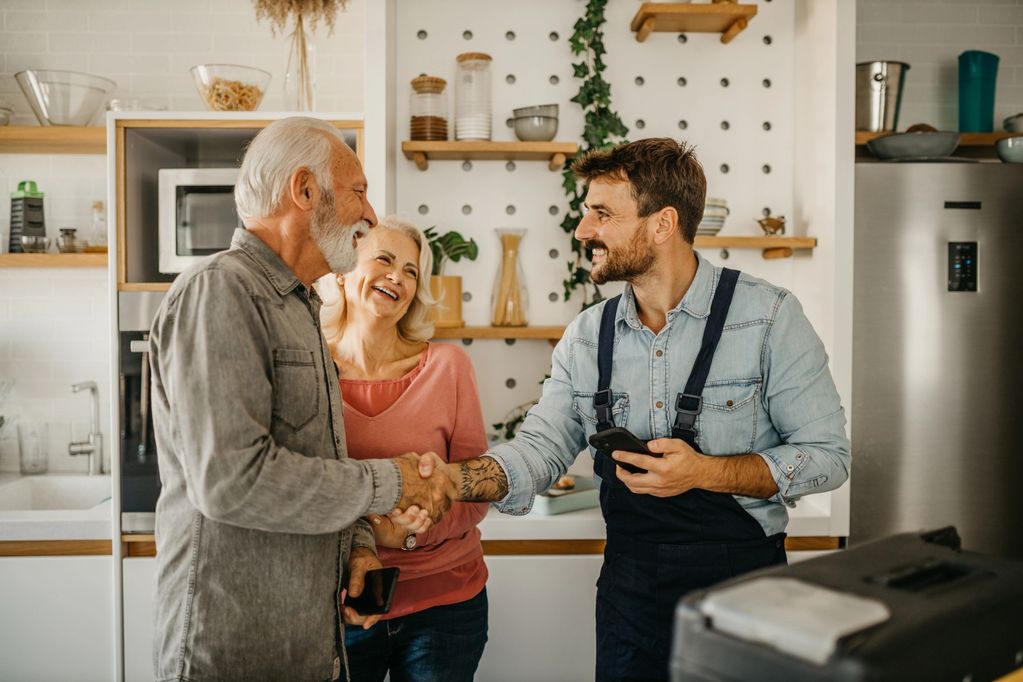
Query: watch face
410, 542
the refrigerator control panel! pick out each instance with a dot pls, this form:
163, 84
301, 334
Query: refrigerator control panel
962, 266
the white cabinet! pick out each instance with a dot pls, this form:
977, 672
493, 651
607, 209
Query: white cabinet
139, 580
541, 618
56, 618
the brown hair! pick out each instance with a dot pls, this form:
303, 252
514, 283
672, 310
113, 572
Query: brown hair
661, 172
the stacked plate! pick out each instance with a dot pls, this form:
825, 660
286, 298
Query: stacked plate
714, 213
472, 127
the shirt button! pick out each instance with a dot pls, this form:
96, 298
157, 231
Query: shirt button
659, 404
660, 353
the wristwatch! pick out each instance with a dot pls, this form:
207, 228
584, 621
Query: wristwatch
409, 543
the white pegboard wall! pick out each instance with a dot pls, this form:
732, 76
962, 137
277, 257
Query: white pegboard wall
532, 64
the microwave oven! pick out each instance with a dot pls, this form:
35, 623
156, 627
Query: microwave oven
197, 215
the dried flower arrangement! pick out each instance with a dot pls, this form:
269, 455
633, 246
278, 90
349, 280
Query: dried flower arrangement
306, 14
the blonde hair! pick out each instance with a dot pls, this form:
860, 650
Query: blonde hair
415, 325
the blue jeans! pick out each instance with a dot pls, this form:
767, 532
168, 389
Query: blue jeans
440, 644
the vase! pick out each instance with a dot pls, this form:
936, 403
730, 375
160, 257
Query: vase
447, 290
510, 298
300, 78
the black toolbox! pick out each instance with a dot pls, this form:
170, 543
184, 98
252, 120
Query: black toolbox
950, 615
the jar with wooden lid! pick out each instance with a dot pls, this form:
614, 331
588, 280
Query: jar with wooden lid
472, 96
428, 109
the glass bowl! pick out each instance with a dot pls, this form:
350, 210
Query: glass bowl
35, 244
229, 87
64, 98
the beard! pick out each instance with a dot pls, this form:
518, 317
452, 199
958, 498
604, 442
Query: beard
335, 241
626, 265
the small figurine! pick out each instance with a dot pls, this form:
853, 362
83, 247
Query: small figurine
772, 225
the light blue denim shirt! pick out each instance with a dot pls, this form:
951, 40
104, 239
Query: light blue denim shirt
769, 392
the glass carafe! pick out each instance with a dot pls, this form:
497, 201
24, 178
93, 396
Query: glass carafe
510, 299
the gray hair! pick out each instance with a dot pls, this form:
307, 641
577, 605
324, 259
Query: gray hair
274, 155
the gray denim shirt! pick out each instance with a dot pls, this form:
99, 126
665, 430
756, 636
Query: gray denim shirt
261, 505
769, 392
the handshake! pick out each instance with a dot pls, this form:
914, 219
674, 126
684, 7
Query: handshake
427, 491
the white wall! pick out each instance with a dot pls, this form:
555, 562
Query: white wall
929, 36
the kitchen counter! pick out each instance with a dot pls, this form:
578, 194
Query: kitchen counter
26, 524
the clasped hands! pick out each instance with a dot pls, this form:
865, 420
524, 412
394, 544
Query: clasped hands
426, 495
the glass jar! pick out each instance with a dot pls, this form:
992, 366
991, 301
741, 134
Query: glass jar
472, 96
68, 242
510, 299
428, 109
97, 237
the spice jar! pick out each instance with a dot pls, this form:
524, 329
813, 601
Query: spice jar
510, 297
472, 96
428, 109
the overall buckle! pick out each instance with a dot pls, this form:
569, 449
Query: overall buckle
602, 406
687, 407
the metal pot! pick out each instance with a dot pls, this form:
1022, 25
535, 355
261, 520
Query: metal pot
879, 95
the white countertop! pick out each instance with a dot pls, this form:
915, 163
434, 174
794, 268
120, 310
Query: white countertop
809, 518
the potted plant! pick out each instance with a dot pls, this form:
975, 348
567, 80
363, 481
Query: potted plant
447, 289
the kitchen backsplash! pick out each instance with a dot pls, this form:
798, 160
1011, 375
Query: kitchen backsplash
54, 329
148, 46
929, 36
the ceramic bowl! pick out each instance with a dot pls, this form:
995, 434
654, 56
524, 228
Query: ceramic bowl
538, 110
1010, 149
536, 128
905, 146
1014, 124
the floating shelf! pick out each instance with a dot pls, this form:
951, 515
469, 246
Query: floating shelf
772, 247
541, 333
965, 139
53, 260
555, 153
725, 18
53, 140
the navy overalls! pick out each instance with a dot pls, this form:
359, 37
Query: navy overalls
658, 549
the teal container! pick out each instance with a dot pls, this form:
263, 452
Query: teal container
978, 72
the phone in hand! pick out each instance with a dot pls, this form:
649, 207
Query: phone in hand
377, 592
617, 438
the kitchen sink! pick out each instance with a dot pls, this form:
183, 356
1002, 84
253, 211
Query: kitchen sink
54, 492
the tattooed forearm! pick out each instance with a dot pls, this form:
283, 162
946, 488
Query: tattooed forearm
481, 480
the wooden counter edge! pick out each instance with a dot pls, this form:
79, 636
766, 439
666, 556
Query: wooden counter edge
145, 546
24, 548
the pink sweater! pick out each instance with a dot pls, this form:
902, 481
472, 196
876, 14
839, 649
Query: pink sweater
439, 411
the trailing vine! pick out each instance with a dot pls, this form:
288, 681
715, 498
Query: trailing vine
603, 128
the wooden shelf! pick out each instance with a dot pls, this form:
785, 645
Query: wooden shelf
725, 18
541, 333
965, 139
772, 247
555, 153
53, 140
53, 260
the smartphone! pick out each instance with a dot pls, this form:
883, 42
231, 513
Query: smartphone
377, 593
617, 438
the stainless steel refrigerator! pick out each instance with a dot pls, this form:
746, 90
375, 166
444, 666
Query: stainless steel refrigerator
937, 409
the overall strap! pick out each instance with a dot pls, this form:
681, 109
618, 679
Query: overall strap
605, 354
689, 403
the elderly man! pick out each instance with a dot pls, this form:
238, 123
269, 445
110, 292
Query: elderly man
719, 374
258, 526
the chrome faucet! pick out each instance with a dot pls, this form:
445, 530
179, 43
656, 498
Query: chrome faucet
93, 447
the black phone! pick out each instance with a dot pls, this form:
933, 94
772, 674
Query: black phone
377, 592
617, 438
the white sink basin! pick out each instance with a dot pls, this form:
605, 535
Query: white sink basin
54, 492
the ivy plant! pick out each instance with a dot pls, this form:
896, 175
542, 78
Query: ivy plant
603, 128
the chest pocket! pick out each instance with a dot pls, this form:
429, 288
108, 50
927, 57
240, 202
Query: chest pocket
582, 403
296, 398
728, 423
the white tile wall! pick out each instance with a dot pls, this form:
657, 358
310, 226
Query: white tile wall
147, 47
929, 36
53, 322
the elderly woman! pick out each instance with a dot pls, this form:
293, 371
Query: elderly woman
402, 393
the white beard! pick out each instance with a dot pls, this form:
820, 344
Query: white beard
335, 240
